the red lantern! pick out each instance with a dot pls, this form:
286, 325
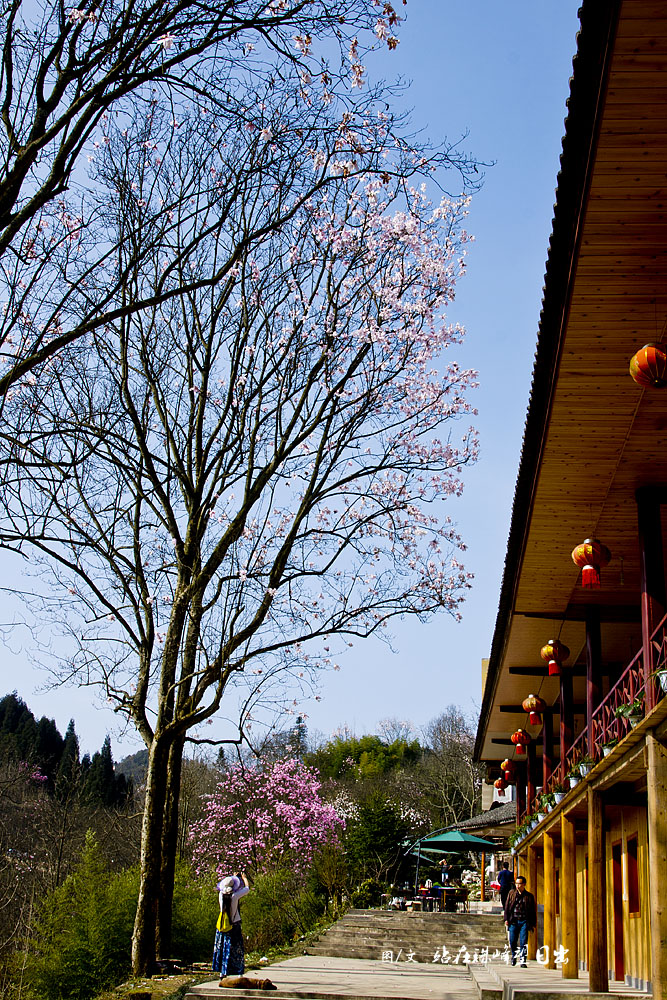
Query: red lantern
591, 556
501, 785
554, 653
534, 706
507, 767
520, 739
648, 367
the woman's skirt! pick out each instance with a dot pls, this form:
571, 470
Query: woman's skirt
228, 956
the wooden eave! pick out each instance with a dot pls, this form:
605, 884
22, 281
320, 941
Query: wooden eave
593, 437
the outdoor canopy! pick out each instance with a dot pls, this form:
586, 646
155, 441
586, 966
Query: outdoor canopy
451, 842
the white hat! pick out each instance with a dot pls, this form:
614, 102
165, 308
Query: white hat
228, 885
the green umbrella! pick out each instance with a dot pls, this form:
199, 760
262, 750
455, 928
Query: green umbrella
453, 841
449, 842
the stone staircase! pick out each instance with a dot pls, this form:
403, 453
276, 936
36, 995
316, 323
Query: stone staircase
376, 933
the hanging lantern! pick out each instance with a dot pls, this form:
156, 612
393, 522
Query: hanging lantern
507, 767
648, 367
520, 739
591, 556
554, 653
500, 784
534, 706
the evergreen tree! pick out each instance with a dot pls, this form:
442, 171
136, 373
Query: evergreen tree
99, 787
69, 768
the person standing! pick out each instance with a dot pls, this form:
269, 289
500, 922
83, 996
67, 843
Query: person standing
520, 918
505, 880
228, 954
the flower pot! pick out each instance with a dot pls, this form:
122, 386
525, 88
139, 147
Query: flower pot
661, 677
574, 780
541, 816
634, 720
584, 769
559, 796
606, 751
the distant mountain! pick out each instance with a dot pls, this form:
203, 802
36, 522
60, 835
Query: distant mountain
134, 767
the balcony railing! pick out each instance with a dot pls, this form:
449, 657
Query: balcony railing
608, 726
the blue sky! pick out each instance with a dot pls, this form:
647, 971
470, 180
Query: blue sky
501, 72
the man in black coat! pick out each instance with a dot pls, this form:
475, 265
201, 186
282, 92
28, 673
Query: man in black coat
506, 881
520, 918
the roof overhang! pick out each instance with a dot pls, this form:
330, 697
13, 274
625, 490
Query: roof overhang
592, 436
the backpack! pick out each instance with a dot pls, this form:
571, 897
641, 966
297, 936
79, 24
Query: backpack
224, 924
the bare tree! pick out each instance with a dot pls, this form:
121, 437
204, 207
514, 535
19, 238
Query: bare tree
451, 783
65, 72
221, 474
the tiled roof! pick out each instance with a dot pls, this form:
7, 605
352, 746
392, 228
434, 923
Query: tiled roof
492, 817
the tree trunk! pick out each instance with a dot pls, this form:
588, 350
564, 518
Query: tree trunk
145, 923
169, 849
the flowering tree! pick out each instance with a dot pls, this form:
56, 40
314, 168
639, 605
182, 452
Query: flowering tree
242, 461
260, 819
67, 73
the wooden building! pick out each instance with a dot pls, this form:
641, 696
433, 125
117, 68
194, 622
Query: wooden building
594, 465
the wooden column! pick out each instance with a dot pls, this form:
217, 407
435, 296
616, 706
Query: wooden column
566, 713
547, 747
593, 671
568, 896
531, 875
531, 775
549, 899
520, 791
598, 969
652, 575
482, 887
657, 862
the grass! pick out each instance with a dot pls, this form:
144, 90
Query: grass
175, 987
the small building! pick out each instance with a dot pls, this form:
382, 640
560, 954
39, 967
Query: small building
591, 778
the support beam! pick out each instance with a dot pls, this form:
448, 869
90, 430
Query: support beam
652, 575
598, 973
549, 900
547, 749
531, 875
578, 670
566, 719
568, 896
657, 861
482, 886
593, 671
531, 773
520, 780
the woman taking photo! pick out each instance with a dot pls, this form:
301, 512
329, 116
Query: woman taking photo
228, 955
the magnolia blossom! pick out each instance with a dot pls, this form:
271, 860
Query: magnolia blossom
262, 818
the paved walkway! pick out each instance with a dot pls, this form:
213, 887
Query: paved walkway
315, 977
321, 977
545, 984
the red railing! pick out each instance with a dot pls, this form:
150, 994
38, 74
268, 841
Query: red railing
607, 725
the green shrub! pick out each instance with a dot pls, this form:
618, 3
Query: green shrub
194, 916
82, 933
278, 911
367, 894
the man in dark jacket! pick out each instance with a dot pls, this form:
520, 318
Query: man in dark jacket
506, 881
520, 918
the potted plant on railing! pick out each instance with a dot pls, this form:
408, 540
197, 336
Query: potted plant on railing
632, 711
574, 775
608, 746
586, 764
661, 676
547, 802
559, 791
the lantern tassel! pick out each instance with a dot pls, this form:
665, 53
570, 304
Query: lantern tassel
535, 719
590, 577
554, 668
520, 748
